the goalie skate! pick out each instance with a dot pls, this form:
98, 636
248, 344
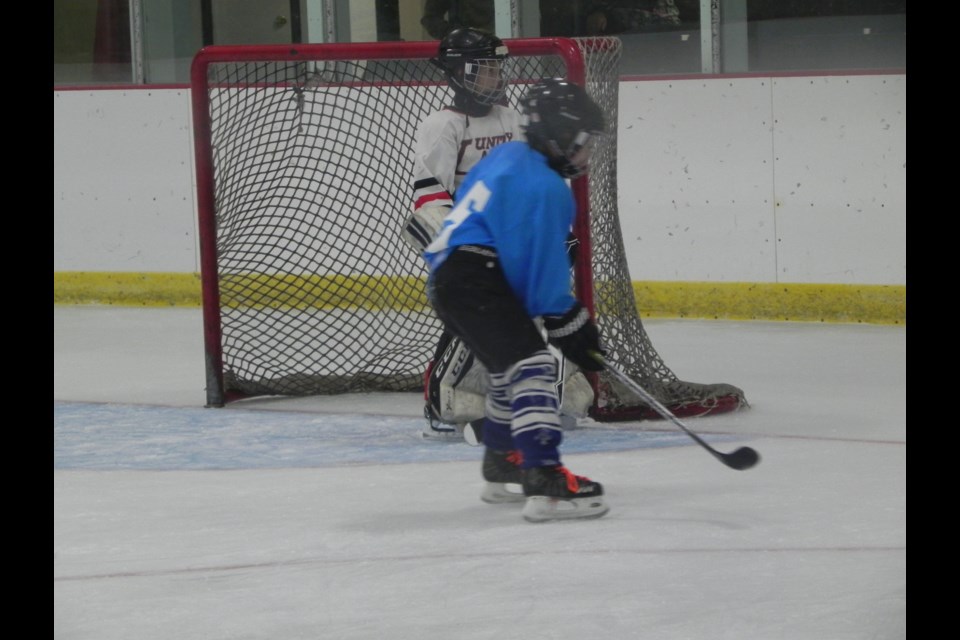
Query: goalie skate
553, 493
437, 430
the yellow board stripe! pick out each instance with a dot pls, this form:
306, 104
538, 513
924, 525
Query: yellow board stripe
127, 289
879, 304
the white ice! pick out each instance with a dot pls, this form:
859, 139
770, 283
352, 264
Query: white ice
330, 518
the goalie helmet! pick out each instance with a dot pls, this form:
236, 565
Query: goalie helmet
474, 62
562, 122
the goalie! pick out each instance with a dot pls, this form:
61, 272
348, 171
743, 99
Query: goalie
448, 144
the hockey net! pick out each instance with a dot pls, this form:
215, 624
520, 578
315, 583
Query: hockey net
304, 164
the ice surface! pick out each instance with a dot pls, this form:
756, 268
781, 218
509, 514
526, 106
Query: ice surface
330, 518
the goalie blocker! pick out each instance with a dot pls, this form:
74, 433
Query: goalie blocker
455, 391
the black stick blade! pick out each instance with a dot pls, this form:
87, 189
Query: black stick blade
742, 458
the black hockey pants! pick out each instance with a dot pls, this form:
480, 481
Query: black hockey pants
472, 297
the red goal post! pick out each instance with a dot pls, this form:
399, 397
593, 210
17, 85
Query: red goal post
303, 166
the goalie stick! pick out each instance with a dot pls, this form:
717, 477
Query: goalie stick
742, 458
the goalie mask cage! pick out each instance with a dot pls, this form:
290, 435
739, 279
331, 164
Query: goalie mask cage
304, 165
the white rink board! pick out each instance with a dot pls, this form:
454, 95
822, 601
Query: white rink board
841, 166
792, 179
123, 181
708, 180
695, 180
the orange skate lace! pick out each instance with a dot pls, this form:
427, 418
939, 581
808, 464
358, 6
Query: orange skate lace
515, 457
573, 482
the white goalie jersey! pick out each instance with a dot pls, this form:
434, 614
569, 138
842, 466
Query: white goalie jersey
448, 144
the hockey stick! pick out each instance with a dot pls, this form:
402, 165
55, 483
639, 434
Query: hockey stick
742, 458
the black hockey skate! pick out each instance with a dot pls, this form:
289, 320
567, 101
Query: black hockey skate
554, 493
501, 468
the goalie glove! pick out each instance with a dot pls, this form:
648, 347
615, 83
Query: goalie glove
423, 225
576, 335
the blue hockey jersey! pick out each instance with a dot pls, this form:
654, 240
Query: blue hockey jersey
515, 203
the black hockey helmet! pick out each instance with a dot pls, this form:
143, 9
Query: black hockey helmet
474, 63
562, 123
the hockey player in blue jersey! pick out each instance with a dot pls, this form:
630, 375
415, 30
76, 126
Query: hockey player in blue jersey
498, 264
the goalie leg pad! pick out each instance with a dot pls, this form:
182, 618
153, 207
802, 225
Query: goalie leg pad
577, 395
457, 385
574, 392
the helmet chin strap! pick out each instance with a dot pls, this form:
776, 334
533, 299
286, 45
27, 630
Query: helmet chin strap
465, 103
